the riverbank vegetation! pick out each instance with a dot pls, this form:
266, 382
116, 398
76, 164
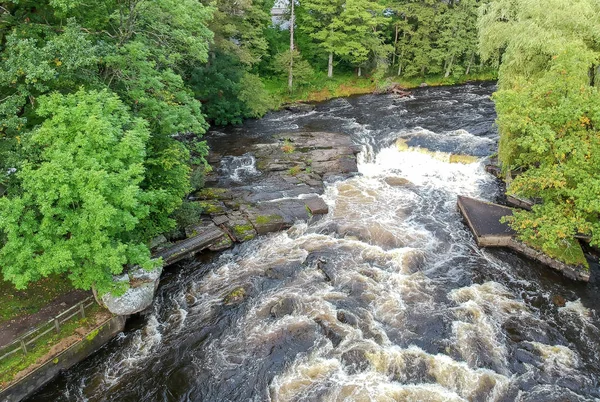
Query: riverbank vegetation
104, 103
548, 115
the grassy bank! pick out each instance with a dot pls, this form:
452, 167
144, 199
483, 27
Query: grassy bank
322, 88
48, 346
17, 303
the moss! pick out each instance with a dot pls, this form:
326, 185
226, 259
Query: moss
90, 337
295, 170
570, 252
211, 207
266, 219
212, 193
236, 296
241, 229
16, 303
11, 366
244, 232
262, 164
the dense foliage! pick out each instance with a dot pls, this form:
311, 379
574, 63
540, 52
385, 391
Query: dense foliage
549, 114
92, 94
103, 105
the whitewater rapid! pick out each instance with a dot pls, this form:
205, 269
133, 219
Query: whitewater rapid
386, 298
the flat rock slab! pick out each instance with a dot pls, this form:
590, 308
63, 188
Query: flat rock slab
483, 219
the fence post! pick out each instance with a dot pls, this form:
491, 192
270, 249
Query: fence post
56, 325
82, 310
23, 346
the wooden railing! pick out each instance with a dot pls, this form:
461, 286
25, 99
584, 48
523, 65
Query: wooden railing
26, 342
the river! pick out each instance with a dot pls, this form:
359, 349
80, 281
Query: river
387, 298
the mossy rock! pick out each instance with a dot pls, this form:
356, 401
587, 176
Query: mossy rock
570, 252
235, 297
222, 244
267, 219
213, 193
212, 207
244, 232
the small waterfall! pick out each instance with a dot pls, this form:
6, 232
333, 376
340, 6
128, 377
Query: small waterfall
239, 168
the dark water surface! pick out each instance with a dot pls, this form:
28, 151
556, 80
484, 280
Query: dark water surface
385, 299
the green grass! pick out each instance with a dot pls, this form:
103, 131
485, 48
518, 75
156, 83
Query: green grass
18, 362
570, 252
17, 303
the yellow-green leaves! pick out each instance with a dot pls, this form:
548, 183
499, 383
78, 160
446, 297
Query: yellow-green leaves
81, 200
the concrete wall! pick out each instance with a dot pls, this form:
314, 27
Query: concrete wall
68, 358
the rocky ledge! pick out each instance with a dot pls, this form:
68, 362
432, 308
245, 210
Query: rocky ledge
270, 187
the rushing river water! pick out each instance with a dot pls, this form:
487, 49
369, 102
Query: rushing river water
387, 298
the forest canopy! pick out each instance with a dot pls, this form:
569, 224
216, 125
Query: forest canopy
104, 104
548, 115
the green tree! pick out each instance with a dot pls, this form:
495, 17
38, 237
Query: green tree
137, 50
302, 72
80, 200
358, 27
548, 114
316, 18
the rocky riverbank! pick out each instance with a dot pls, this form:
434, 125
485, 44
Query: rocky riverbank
274, 184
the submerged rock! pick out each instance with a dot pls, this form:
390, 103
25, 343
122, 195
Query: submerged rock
283, 307
356, 360
395, 181
235, 297
299, 107
139, 296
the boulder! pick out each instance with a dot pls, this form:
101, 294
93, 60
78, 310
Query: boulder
317, 206
139, 296
158, 242
299, 107
396, 181
283, 307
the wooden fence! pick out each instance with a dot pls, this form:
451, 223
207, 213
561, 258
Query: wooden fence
26, 342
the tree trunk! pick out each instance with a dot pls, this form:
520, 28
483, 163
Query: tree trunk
359, 72
330, 65
395, 46
291, 72
449, 67
469, 65
401, 54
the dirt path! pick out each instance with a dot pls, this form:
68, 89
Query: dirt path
16, 327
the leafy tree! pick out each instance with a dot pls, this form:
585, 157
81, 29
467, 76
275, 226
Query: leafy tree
302, 72
80, 200
137, 50
358, 25
316, 18
226, 85
548, 114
